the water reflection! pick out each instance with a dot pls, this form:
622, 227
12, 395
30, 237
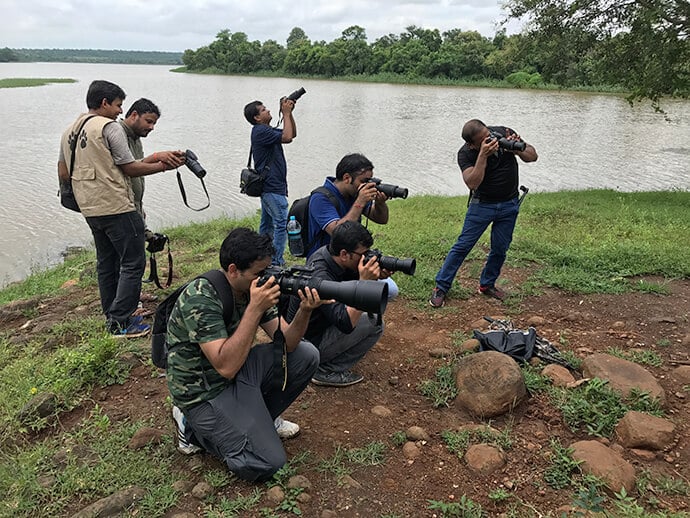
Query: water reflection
411, 133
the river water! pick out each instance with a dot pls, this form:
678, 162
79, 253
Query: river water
411, 134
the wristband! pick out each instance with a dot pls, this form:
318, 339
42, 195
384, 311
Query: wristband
358, 205
154, 157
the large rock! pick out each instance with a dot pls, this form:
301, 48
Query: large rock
484, 458
640, 430
605, 464
489, 384
113, 505
622, 375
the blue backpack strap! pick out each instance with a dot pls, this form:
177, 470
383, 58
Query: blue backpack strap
336, 203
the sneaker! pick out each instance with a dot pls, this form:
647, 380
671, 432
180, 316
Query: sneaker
336, 379
134, 330
438, 298
493, 292
184, 446
286, 429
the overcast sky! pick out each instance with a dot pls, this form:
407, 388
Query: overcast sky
176, 25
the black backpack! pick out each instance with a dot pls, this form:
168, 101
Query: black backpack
159, 344
300, 209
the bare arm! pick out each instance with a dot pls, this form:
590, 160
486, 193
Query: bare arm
294, 331
366, 194
63, 172
289, 128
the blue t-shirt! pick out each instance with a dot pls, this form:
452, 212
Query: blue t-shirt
322, 212
264, 140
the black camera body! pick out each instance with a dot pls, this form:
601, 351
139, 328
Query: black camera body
156, 242
369, 296
192, 162
392, 191
390, 263
294, 96
504, 143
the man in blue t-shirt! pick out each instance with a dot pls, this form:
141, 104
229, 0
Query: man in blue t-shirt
267, 149
356, 197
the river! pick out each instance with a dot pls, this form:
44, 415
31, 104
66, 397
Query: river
411, 134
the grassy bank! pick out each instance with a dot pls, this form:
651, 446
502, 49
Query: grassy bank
20, 82
582, 242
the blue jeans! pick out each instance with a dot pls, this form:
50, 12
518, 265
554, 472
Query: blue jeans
120, 264
502, 217
274, 212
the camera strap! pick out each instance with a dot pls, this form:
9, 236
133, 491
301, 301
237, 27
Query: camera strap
153, 270
184, 194
73, 145
279, 381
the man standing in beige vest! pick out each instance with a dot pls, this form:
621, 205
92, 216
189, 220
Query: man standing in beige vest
103, 165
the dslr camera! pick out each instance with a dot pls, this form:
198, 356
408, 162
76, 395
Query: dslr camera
392, 264
192, 162
504, 143
369, 296
296, 94
156, 242
392, 191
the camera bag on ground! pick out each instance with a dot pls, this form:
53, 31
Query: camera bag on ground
156, 243
300, 209
66, 193
159, 344
252, 181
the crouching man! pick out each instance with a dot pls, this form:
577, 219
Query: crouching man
227, 390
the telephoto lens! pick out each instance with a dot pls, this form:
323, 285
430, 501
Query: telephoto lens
296, 94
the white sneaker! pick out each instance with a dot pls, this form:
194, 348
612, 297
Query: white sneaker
286, 429
183, 445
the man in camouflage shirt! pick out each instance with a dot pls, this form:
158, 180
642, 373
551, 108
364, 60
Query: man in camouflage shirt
223, 383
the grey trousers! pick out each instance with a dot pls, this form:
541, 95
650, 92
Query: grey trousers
340, 351
237, 425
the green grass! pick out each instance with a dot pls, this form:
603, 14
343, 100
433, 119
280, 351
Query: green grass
20, 82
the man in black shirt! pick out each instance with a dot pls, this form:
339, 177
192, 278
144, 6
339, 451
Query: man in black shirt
342, 334
491, 173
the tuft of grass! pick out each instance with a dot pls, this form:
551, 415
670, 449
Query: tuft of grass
442, 389
464, 508
643, 357
458, 442
560, 472
227, 507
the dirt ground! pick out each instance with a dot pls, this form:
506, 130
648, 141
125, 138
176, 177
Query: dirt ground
400, 487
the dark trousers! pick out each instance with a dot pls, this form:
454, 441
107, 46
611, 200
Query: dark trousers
120, 264
340, 352
237, 425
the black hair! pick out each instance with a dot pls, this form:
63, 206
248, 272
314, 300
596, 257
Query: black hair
251, 111
354, 163
348, 236
99, 90
142, 106
243, 246
471, 129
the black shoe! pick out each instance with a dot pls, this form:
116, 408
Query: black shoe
336, 379
438, 298
493, 292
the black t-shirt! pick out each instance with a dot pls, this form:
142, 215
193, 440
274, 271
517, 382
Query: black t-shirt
501, 176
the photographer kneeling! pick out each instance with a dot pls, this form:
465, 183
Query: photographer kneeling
342, 333
229, 391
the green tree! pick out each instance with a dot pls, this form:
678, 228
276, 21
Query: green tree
7, 55
296, 38
642, 44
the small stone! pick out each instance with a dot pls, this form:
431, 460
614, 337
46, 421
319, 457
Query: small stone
182, 486
470, 346
299, 481
644, 454
393, 380
381, 411
327, 513
304, 498
536, 321
417, 433
618, 325
275, 495
410, 450
202, 490
440, 352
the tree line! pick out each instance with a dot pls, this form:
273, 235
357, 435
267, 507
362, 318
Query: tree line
129, 57
638, 46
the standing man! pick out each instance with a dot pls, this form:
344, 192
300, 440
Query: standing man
140, 120
223, 385
491, 173
342, 334
267, 149
103, 165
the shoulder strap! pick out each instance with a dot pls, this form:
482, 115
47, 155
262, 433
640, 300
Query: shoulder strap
224, 290
73, 145
336, 203
269, 162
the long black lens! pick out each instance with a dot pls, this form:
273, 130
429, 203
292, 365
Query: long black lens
511, 145
369, 296
297, 94
393, 264
392, 191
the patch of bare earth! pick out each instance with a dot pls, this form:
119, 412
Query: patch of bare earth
393, 370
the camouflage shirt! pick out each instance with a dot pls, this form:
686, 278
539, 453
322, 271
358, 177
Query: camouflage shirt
197, 318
